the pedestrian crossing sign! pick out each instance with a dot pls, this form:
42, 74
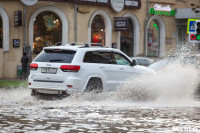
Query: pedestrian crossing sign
191, 26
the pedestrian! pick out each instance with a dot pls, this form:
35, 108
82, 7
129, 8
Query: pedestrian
24, 61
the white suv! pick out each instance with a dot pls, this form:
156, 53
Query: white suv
67, 69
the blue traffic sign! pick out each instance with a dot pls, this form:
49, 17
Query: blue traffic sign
192, 26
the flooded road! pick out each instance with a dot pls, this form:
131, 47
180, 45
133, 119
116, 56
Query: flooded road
21, 113
161, 103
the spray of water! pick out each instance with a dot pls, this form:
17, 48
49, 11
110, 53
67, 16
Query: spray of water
176, 83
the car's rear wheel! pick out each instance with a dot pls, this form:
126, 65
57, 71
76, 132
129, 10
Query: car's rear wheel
94, 85
33, 92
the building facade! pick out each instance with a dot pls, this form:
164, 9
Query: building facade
137, 27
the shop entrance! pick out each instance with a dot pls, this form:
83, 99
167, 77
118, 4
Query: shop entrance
47, 31
98, 30
126, 39
153, 39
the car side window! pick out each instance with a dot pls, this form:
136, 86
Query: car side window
104, 58
98, 57
121, 60
90, 57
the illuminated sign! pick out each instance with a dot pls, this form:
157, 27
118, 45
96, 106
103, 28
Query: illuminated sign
162, 10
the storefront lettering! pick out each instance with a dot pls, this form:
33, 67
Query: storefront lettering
131, 3
120, 4
158, 7
96, 1
159, 10
120, 24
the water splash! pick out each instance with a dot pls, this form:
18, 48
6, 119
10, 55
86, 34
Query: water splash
175, 83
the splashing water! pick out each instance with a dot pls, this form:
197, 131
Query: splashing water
174, 85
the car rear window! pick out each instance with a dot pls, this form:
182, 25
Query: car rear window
56, 56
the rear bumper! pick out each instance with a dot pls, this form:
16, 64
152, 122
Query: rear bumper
55, 87
48, 90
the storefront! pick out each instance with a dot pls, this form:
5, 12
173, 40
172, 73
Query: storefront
157, 30
47, 31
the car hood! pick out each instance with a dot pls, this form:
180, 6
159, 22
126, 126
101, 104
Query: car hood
145, 70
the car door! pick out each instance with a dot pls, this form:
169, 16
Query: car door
125, 69
108, 70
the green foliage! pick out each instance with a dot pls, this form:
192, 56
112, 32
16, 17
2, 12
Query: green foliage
12, 84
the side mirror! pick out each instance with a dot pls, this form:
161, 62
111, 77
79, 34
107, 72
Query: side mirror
134, 62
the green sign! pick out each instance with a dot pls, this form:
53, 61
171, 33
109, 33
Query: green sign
165, 13
198, 37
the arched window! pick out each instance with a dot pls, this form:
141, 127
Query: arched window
47, 31
126, 39
1, 33
98, 30
153, 39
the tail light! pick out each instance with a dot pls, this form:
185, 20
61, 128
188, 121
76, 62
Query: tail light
70, 68
33, 66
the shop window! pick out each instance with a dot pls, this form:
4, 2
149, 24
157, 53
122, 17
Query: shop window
1, 33
153, 39
47, 31
126, 39
98, 30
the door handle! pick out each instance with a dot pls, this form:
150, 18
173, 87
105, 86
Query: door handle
102, 67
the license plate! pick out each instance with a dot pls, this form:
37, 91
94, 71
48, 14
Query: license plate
49, 70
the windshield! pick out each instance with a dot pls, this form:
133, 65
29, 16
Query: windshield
61, 56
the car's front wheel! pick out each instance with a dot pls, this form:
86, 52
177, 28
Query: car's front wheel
94, 85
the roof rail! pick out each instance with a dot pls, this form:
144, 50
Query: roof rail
79, 44
86, 44
61, 43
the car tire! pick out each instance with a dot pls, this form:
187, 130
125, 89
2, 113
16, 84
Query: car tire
65, 94
33, 92
94, 85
